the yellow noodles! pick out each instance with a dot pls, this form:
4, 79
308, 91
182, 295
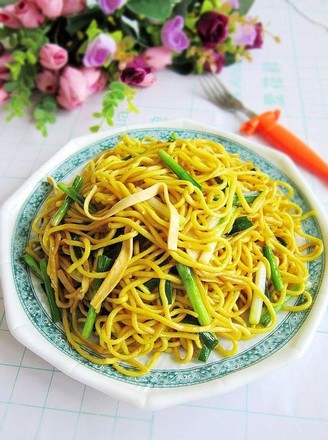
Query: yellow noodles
147, 220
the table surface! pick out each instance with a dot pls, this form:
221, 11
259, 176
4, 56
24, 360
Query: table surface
39, 402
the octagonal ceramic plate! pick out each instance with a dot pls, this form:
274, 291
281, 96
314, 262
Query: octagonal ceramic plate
169, 383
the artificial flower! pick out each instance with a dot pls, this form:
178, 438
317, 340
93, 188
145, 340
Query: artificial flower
110, 6
158, 57
28, 14
8, 17
212, 28
244, 34
233, 3
50, 8
173, 37
214, 62
53, 57
258, 41
73, 88
70, 49
47, 81
96, 79
4, 96
137, 73
99, 51
71, 7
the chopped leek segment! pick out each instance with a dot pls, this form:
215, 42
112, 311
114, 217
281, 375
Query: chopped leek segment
257, 301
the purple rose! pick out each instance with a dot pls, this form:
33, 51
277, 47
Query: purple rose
258, 41
137, 73
214, 62
99, 51
244, 34
233, 3
110, 6
212, 28
173, 36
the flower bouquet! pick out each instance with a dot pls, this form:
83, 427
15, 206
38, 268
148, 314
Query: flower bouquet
56, 53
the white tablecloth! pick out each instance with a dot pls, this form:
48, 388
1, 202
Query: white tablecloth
38, 401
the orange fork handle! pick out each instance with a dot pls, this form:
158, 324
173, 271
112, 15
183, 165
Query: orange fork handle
266, 126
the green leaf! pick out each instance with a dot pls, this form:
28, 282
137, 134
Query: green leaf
245, 6
39, 113
182, 65
240, 224
118, 94
7, 2
182, 7
19, 56
152, 9
31, 57
79, 22
5, 32
206, 6
10, 86
109, 121
93, 30
112, 98
109, 112
49, 104
117, 85
117, 36
230, 58
108, 101
44, 113
132, 108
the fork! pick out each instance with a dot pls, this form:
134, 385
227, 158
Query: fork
265, 125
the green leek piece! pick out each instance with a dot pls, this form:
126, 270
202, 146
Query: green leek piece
240, 224
75, 195
177, 169
204, 353
34, 265
54, 309
64, 207
103, 264
207, 338
188, 280
275, 273
266, 317
249, 197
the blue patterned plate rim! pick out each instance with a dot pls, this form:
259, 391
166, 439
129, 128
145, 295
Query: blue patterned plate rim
158, 378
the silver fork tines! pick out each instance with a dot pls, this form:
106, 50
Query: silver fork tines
217, 92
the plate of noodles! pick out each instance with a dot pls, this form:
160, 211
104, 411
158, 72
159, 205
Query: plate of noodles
164, 263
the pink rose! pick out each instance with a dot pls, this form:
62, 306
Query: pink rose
50, 8
4, 96
71, 7
4, 71
8, 17
28, 14
47, 81
96, 79
157, 58
53, 57
73, 88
